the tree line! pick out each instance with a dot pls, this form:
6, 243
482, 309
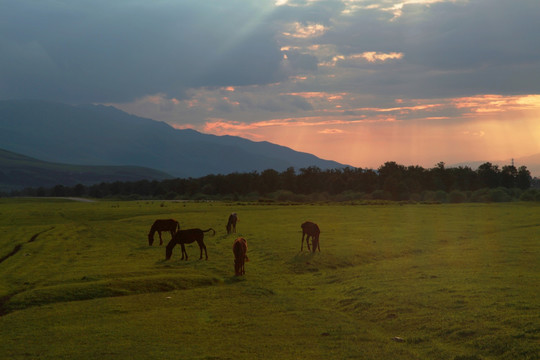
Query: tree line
391, 181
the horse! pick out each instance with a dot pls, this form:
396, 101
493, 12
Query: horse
231, 224
189, 236
240, 255
311, 230
160, 225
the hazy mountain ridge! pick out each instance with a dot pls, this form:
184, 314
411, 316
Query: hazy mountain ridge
18, 171
101, 135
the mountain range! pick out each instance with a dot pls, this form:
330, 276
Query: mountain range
46, 143
97, 135
18, 172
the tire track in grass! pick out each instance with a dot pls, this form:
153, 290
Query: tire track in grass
18, 247
5, 299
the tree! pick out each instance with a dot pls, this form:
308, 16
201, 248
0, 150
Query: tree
269, 181
288, 179
508, 176
489, 175
523, 178
391, 176
79, 190
309, 180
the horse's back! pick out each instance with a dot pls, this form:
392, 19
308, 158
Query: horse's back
188, 235
311, 228
240, 248
165, 224
233, 218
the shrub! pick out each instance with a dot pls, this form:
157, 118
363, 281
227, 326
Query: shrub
428, 196
529, 195
350, 196
480, 195
441, 196
381, 195
499, 195
457, 196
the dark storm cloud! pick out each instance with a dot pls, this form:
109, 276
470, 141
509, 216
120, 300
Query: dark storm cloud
449, 48
119, 50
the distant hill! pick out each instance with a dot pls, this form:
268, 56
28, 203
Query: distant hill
102, 135
19, 171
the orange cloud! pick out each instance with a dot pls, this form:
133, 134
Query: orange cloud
498, 103
305, 31
370, 56
318, 95
331, 131
373, 56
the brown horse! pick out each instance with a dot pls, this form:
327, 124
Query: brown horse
160, 225
240, 255
189, 236
311, 230
231, 224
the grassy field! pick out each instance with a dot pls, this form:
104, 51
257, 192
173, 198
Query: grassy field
460, 282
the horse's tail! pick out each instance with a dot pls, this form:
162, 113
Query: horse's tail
207, 230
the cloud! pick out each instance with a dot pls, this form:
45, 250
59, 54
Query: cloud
331, 131
111, 52
310, 30
107, 51
329, 69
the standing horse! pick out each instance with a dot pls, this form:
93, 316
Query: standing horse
231, 224
240, 255
311, 230
160, 225
189, 236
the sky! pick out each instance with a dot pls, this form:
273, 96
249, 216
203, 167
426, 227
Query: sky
361, 82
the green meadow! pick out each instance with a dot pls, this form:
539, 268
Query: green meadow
392, 281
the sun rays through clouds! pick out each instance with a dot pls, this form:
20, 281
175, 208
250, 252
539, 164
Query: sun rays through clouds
357, 81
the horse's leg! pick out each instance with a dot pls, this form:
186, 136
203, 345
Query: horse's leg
160, 239
184, 252
302, 247
307, 241
203, 247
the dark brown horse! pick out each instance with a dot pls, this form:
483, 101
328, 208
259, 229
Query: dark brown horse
160, 225
189, 236
231, 224
311, 230
240, 255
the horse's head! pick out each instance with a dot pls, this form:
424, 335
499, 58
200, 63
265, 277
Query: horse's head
168, 252
150, 239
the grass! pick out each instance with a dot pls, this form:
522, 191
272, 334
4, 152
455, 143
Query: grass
456, 282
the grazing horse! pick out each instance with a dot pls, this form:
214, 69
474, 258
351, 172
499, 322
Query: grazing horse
231, 224
160, 225
240, 255
311, 230
183, 237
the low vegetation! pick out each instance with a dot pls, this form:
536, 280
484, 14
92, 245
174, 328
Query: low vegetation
390, 182
394, 281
